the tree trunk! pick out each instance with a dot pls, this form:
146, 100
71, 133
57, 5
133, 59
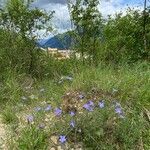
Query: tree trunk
144, 27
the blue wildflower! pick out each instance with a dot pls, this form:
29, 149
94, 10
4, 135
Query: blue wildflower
118, 110
89, 106
48, 108
101, 104
62, 139
86, 106
90, 103
81, 96
72, 123
42, 126
37, 108
58, 111
30, 118
72, 113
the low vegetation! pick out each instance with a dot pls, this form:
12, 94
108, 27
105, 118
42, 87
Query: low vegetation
97, 102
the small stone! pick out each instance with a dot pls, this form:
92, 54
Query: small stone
59, 148
23, 98
52, 148
54, 139
68, 93
79, 149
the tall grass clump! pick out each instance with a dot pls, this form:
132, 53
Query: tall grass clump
130, 81
31, 138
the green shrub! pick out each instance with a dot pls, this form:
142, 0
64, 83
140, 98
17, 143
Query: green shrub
123, 38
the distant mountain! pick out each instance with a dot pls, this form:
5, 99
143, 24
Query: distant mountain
42, 41
60, 41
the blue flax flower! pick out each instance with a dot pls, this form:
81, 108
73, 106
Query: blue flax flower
72, 123
90, 103
62, 139
58, 111
119, 111
89, 106
48, 108
42, 126
72, 113
101, 104
30, 118
81, 96
38, 108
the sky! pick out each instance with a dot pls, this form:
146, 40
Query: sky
61, 19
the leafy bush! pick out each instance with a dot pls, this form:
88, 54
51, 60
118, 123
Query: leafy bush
123, 37
17, 35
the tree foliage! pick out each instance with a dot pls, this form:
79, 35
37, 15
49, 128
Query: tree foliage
124, 37
87, 27
19, 24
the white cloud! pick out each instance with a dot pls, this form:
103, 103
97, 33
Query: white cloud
111, 7
61, 18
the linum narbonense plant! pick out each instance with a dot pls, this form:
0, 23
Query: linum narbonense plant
99, 125
102, 126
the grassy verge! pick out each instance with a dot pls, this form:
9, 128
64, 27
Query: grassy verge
116, 114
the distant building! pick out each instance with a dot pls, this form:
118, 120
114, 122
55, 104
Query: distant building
52, 49
59, 54
62, 54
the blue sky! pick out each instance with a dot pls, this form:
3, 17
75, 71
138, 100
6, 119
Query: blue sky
61, 19
132, 2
